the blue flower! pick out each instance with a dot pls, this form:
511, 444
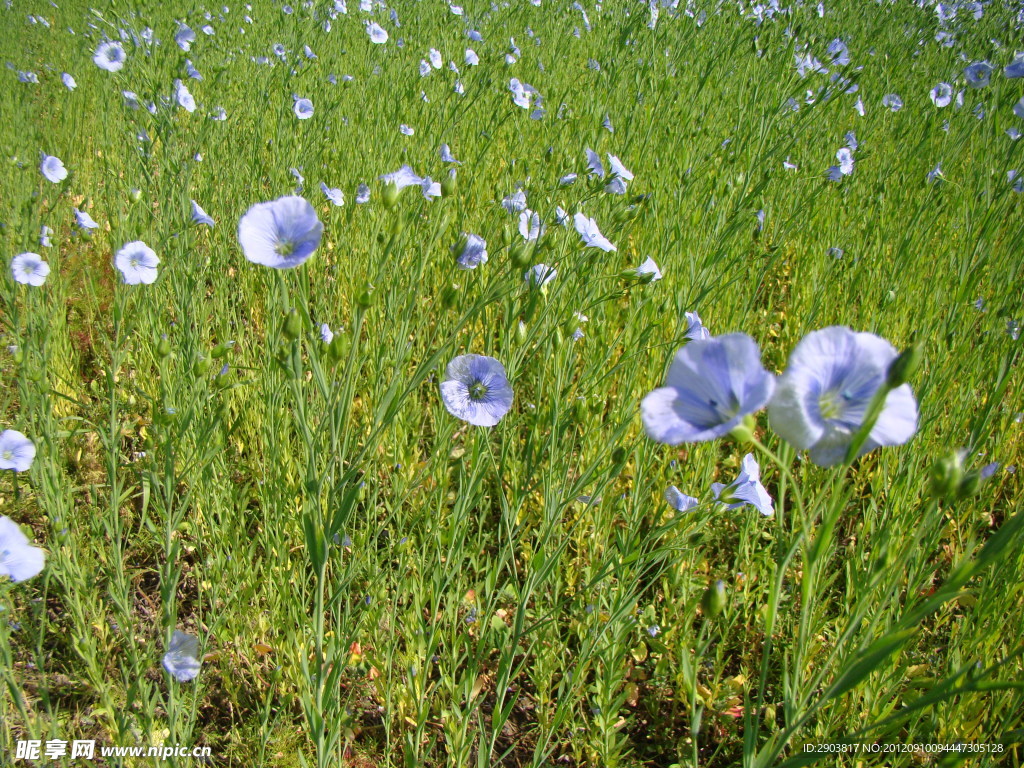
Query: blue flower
648, 271
823, 396
137, 262
19, 560
69, 81
183, 97
182, 657
473, 253
303, 109
679, 501
446, 155
184, 37
745, 489
109, 56
281, 234
84, 220
376, 32
712, 384
333, 194
978, 74
476, 390
591, 235
695, 328
53, 169
16, 451
199, 216
539, 275
29, 269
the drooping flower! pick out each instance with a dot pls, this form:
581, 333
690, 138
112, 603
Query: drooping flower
402, 178
712, 384
69, 81
19, 560
333, 194
471, 58
16, 451
44, 236
199, 216
530, 225
648, 271
695, 328
473, 253
303, 109
823, 395
29, 269
745, 489
137, 262
326, 334
282, 233
594, 163
109, 56
476, 389
679, 501
53, 169
430, 188
183, 97
540, 275
184, 37
446, 155
515, 202
84, 220
592, 237
182, 657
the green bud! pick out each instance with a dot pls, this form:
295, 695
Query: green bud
520, 255
135, 194
448, 186
365, 297
521, 331
19, 355
449, 296
339, 346
743, 433
397, 224
221, 349
714, 600
390, 195
970, 485
619, 455
292, 327
947, 474
905, 366
163, 347
201, 367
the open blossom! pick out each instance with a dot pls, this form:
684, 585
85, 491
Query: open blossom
19, 560
333, 194
823, 395
282, 233
303, 109
16, 451
29, 269
712, 384
473, 252
376, 32
109, 56
53, 169
695, 328
745, 489
679, 501
199, 216
137, 263
476, 389
183, 97
182, 658
539, 275
592, 237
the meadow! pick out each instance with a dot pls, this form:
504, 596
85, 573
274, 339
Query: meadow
520, 384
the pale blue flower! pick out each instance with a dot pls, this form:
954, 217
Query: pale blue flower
326, 334
446, 155
473, 253
978, 74
109, 56
137, 263
942, 95
69, 81
183, 97
471, 58
333, 194
184, 37
746, 489
823, 395
199, 216
592, 237
476, 389
402, 178
594, 163
44, 236
712, 384
16, 451
1015, 68
377, 33
515, 202
303, 109
892, 101
182, 658
648, 271
362, 194
530, 225
29, 269
282, 233
53, 169
539, 275
84, 220
695, 328
19, 560
679, 501
406, 130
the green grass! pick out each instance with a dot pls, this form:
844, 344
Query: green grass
374, 582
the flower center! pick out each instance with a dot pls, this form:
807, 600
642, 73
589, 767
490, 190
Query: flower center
477, 390
831, 405
284, 248
134, 262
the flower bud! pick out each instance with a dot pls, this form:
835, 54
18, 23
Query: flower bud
201, 367
292, 327
947, 474
365, 297
448, 187
449, 296
905, 366
714, 600
19, 355
969, 485
221, 349
163, 347
520, 255
135, 194
743, 433
397, 224
390, 195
